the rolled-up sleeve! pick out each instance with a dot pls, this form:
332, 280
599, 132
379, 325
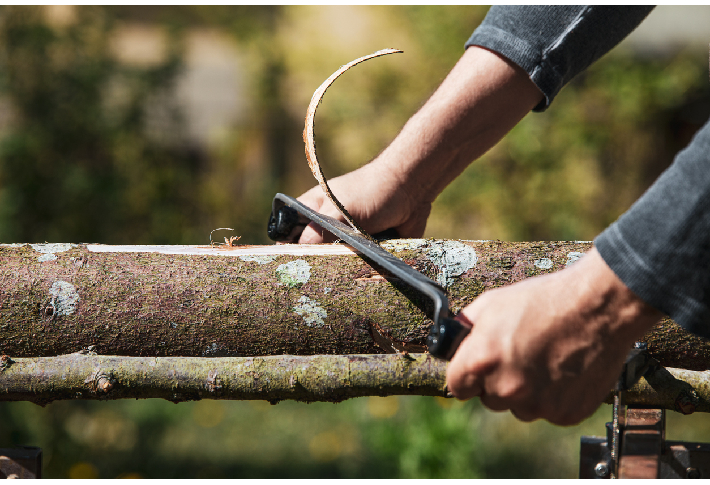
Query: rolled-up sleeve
553, 43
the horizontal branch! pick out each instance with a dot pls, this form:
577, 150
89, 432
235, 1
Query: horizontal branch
682, 390
331, 378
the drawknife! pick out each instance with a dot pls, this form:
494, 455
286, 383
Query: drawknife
289, 217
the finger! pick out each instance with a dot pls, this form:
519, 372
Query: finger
525, 415
511, 391
312, 198
460, 381
415, 225
312, 234
463, 388
463, 318
495, 403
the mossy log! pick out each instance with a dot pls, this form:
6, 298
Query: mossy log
158, 301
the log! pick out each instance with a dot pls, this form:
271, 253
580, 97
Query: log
159, 301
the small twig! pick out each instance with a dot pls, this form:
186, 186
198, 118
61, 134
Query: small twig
230, 242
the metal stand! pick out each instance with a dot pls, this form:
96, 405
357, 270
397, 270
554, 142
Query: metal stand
644, 451
635, 445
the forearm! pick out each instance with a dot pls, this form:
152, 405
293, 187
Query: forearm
481, 99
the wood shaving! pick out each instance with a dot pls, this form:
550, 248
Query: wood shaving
230, 243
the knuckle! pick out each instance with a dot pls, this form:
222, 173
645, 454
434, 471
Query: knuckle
514, 388
493, 403
571, 416
526, 415
565, 419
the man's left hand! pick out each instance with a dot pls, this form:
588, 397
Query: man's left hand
550, 347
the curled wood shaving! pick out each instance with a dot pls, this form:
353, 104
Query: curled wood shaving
309, 136
227, 242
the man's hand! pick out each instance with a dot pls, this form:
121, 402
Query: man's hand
375, 198
550, 347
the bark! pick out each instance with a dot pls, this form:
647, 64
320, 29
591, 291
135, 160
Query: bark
259, 300
330, 378
681, 390
272, 378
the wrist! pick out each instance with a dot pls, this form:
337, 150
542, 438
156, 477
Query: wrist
608, 301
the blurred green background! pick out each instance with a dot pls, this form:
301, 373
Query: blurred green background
155, 125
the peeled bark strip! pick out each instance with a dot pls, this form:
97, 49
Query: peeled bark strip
56, 299
275, 378
309, 134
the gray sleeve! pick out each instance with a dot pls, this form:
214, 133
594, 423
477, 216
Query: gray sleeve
553, 43
660, 248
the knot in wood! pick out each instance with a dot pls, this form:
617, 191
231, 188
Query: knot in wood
49, 310
5, 362
99, 382
213, 382
686, 401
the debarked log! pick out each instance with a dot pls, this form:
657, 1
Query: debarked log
156, 301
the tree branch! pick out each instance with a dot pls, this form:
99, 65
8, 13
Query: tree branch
331, 378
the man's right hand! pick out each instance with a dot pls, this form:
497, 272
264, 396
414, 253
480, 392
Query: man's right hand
375, 198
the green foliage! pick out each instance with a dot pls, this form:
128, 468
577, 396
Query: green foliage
393, 437
428, 438
75, 163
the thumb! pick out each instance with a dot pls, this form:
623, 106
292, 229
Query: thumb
461, 379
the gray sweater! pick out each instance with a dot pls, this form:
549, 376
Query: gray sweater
660, 248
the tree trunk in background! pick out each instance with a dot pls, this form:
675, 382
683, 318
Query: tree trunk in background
58, 299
